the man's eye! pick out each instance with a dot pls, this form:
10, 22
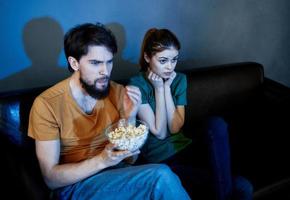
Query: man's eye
95, 62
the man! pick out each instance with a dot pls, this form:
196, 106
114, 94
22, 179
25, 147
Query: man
68, 120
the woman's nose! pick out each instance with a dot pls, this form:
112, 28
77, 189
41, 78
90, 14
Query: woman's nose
170, 65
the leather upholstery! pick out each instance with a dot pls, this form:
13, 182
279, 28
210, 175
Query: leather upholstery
238, 92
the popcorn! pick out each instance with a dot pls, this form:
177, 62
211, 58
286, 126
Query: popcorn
128, 137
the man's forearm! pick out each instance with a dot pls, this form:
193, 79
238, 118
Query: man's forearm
67, 174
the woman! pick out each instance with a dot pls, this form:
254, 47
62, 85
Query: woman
163, 108
163, 95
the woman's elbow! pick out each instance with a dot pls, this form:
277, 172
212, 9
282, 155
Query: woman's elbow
176, 124
161, 135
175, 128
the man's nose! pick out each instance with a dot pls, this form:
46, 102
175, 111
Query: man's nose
104, 69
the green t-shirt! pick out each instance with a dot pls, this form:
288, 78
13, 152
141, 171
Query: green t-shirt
156, 150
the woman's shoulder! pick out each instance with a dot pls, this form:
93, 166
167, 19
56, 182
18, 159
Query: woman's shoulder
180, 78
138, 80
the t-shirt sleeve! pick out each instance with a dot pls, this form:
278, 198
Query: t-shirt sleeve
119, 99
138, 82
42, 122
180, 93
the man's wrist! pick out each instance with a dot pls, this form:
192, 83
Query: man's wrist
132, 120
100, 163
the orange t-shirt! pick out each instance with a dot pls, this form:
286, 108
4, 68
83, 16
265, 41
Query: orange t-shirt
55, 115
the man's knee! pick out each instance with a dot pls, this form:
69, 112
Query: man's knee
163, 169
167, 184
164, 173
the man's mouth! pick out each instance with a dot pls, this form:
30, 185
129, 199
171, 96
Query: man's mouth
102, 80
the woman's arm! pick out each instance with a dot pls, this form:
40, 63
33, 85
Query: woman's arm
175, 114
156, 121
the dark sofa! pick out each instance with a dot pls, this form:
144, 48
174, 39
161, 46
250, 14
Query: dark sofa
255, 108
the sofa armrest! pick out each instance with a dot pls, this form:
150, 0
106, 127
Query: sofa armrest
276, 93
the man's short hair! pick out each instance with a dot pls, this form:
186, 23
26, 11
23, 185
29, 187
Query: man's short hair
78, 39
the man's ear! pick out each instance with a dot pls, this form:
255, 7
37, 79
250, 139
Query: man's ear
73, 63
146, 57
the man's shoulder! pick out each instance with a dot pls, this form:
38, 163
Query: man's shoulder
55, 91
116, 86
115, 89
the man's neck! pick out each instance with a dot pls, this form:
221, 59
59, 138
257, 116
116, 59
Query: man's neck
83, 99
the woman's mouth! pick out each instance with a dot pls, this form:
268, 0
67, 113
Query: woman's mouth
167, 73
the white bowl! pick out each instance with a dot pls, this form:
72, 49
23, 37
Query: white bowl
127, 135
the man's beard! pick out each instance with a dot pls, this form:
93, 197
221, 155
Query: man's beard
95, 92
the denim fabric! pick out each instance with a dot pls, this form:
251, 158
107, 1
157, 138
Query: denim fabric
225, 186
242, 189
152, 181
219, 157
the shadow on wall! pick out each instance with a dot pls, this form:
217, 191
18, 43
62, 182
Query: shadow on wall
43, 41
122, 69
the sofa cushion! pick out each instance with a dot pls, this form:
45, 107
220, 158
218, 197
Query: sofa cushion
218, 89
14, 114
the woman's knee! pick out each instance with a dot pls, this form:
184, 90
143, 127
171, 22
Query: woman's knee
242, 188
216, 128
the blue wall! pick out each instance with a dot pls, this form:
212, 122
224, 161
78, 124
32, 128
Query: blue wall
210, 31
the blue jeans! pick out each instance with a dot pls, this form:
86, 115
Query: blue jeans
152, 181
210, 177
226, 186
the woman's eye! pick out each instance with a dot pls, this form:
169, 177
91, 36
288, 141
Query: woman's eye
174, 60
162, 61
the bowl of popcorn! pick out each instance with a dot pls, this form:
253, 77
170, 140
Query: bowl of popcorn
127, 134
